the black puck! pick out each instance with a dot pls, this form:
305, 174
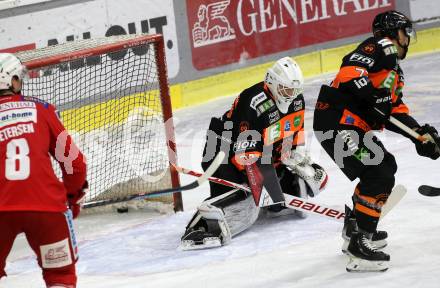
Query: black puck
122, 210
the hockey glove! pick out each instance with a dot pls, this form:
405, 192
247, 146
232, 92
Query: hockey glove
75, 201
428, 148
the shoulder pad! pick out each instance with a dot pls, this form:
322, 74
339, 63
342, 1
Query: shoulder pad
36, 100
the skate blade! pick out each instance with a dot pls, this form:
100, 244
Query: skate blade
359, 265
212, 242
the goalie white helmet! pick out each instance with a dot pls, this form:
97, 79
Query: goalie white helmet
285, 81
10, 66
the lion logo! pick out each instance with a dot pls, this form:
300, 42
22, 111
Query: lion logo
212, 26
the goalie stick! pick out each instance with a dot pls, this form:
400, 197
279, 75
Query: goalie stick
202, 178
304, 205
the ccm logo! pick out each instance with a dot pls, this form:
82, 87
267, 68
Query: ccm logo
316, 208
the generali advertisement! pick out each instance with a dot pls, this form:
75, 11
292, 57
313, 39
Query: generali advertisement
92, 19
229, 31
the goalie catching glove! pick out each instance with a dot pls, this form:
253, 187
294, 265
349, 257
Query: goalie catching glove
313, 174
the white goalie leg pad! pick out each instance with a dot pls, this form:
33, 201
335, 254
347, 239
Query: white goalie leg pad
209, 211
241, 215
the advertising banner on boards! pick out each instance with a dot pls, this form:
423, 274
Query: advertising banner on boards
92, 19
229, 31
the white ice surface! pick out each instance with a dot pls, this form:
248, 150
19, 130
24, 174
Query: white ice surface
139, 249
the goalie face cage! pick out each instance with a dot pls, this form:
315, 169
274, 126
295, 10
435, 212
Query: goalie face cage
113, 97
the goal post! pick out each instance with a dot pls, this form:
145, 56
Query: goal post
113, 97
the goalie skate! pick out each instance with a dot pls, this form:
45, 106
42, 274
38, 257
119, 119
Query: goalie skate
199, 239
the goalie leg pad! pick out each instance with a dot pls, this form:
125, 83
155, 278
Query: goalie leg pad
217, 220
207, 229
241, 215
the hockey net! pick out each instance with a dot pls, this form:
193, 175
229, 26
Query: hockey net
113, 97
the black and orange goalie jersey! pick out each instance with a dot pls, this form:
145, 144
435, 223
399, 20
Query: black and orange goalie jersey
372, 68
259, 127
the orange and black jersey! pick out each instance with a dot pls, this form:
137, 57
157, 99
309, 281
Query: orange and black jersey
258, 125
371, 69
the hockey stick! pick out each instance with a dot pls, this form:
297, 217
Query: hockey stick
292, 202
425, 190
202, 178
402, 127
304, 205
429, 191
396, 195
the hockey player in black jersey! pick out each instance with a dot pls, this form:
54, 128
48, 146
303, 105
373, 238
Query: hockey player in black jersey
364, 94
263, 128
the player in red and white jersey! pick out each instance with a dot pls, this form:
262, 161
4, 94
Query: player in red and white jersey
32, 199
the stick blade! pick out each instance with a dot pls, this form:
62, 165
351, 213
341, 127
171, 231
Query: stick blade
397, 194
429, 191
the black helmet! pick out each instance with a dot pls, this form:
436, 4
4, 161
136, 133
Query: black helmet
387, 24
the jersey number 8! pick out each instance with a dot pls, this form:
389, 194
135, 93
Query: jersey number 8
18, 163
